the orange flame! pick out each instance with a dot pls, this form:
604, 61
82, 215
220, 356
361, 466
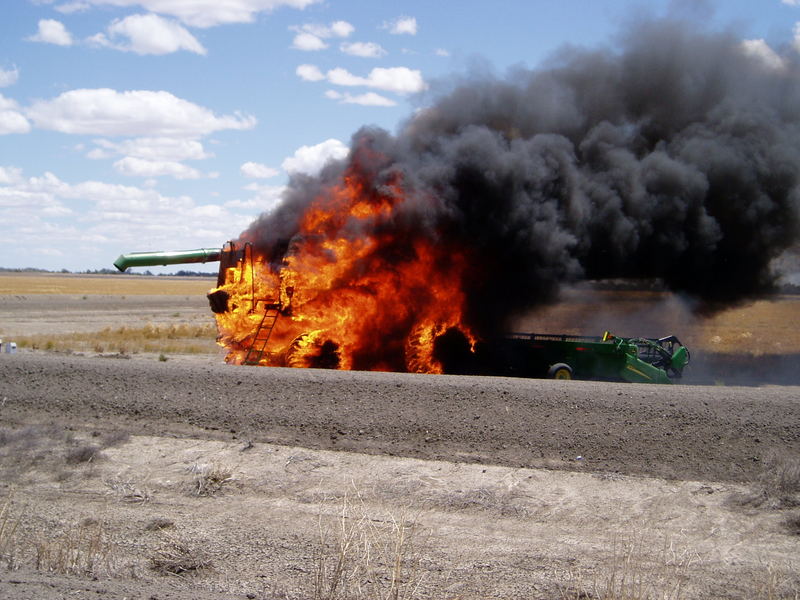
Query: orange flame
351, 293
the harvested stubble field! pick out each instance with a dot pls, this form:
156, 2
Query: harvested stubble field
102, 314
126, 476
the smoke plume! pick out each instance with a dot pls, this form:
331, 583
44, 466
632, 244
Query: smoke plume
676, 157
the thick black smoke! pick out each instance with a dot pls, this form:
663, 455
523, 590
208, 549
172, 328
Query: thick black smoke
676, 158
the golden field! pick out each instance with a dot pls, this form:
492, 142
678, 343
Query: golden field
139, 313
75, 284
108, 313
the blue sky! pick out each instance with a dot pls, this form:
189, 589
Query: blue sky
170, 124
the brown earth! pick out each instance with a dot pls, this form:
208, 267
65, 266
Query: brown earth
252, 480
677, 432
520, 488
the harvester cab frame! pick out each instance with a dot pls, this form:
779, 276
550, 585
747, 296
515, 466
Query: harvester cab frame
270, 309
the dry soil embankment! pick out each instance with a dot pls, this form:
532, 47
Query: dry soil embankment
680, 432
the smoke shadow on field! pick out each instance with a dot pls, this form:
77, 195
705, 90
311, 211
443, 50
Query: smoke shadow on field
714, 368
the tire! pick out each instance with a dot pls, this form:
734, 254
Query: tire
560, 371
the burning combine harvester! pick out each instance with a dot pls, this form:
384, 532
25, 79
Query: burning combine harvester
673, 158
254, 305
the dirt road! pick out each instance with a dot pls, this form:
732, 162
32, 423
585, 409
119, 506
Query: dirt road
675, 432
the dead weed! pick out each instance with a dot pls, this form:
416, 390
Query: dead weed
778, 486
209, 479
635, 571
177, 557
361, 557
84, 549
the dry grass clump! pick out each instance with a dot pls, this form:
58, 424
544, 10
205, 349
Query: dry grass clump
49, 449
158, 524
635, 572
180, 338
775, 583
793, 523
8, 534
20, 449
84, 549
176, 557
112, 439
778, 487
82, 453
361, 557
482, 499
128, 491
209, 479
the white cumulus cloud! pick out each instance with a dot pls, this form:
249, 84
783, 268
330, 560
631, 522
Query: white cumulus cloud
52, 32
202, 13
340, 76
11, 118
309, 73
25, 201
363, 49
760, 50
68, 8
140, 167
90, 221
9, 175
155, 149
8, 77
148, 34
341, 28
402, 26
255, 170
308, 42
400, 80
368, 99
311, 159
130, 113
312, 36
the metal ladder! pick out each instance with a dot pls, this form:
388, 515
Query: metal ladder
256, 351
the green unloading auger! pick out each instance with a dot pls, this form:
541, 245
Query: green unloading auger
178, 257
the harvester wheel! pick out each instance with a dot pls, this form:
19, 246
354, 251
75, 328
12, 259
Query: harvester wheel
560, 371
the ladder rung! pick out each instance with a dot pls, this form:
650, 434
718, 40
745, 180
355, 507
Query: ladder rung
265, 327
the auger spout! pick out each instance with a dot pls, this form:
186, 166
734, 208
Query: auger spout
152, 259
